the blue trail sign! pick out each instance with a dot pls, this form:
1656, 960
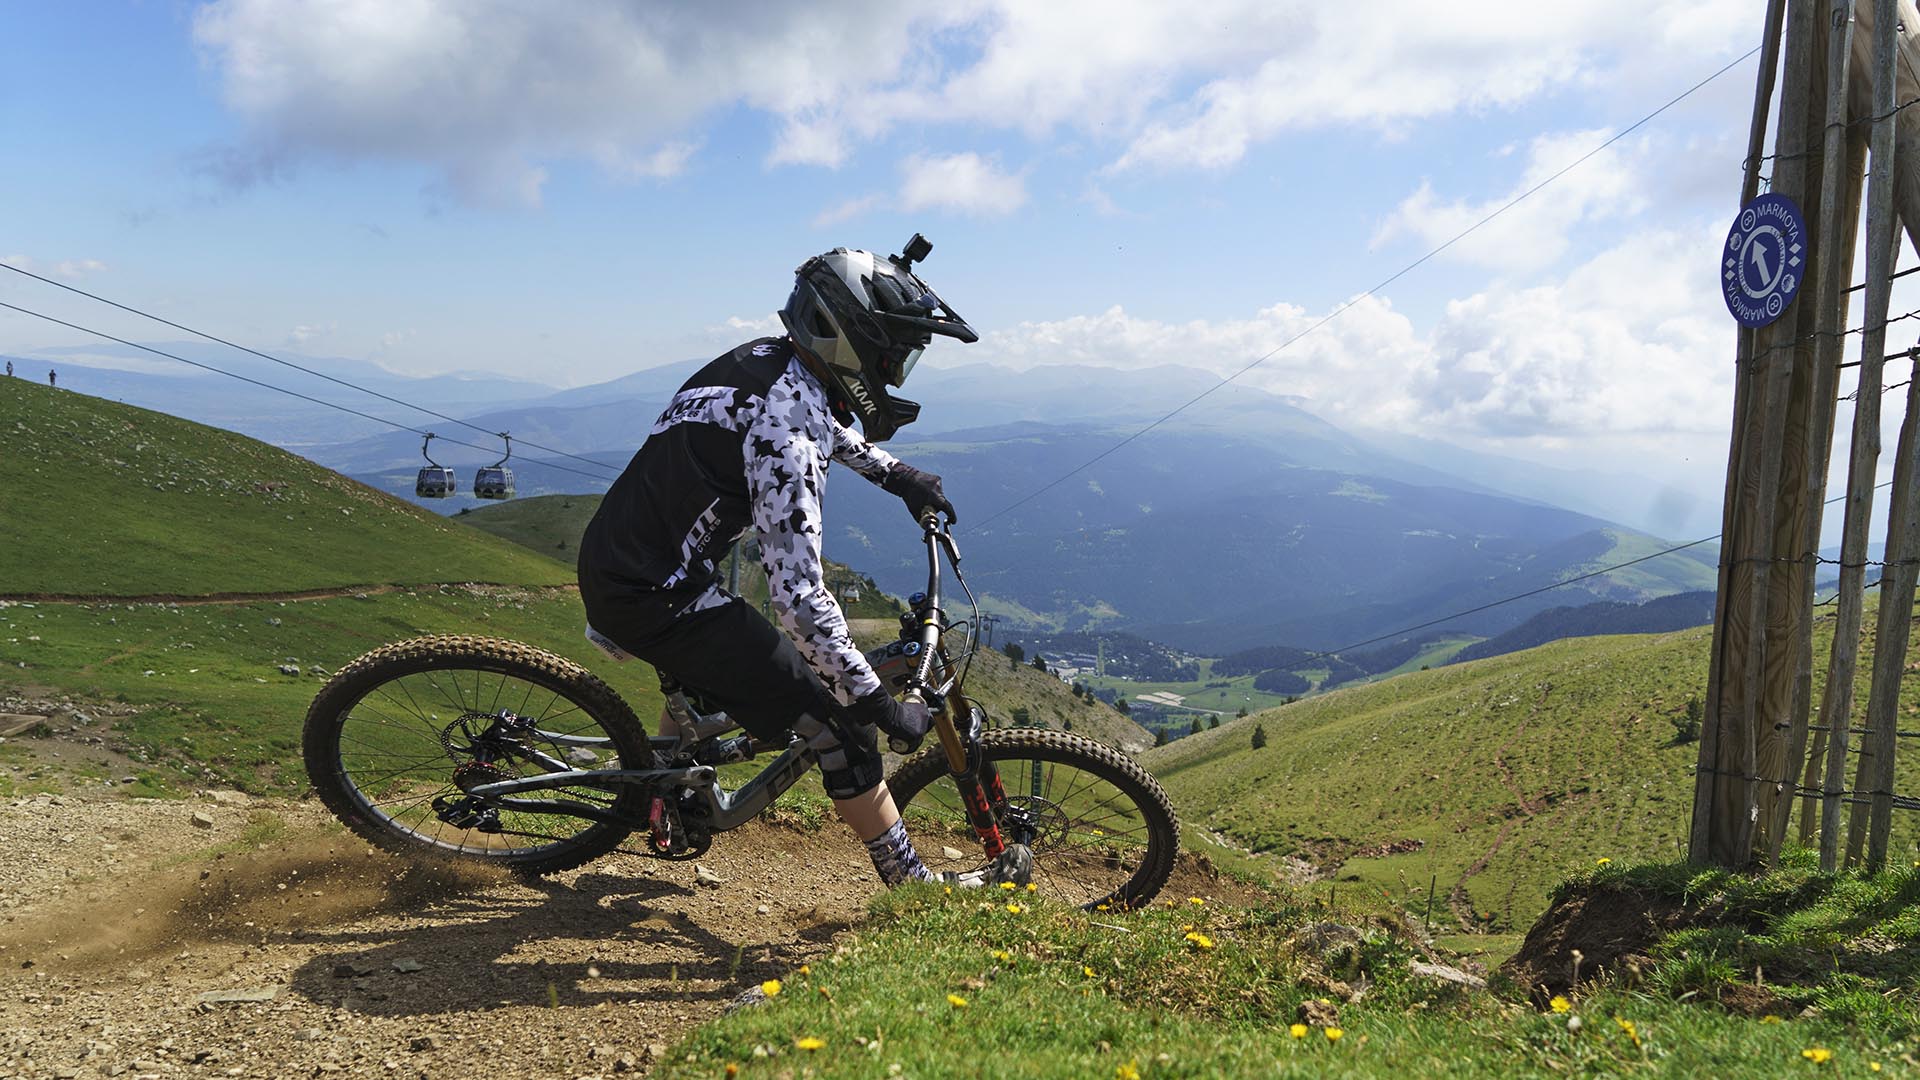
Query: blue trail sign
1764, 259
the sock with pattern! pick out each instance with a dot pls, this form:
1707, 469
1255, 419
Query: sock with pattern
894, 858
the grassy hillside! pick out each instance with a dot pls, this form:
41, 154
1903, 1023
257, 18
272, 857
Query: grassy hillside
552, 524
106, 499
1494, 779
1002, 686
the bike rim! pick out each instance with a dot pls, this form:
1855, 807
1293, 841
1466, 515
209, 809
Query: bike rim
397, 763
1091, 838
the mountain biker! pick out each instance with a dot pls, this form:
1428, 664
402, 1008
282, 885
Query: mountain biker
746, 443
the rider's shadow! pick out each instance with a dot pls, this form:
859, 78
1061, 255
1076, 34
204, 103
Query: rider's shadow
593, 941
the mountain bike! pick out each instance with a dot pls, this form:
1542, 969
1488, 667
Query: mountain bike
493, 750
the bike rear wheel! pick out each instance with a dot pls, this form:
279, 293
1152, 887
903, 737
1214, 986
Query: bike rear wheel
384, 738
1101, 829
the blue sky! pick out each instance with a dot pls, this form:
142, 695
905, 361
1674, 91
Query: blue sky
571, 192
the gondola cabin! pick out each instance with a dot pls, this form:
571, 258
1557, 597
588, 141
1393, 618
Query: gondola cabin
436, 482
493, 482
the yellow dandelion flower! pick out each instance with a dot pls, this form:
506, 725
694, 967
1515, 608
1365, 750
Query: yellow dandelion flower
1102, 832
1560, 1004
1819, 1055
1088, 972
1128, 1071
1771, 1019
1008, 885
733, 1069
1874, 1065
771, 988
1100, 907
1014, 909
1002, 955
1033, 887
1333, 1034
1195, 901
1199, 939
949, 890
805, 970
1298, 1031
1602, 861
956, 1001
809, 1042
1627, 1026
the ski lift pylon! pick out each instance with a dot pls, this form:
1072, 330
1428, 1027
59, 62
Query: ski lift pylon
495, 481
435, 481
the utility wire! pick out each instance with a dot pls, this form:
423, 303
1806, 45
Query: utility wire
281, 389
1547, 588
297, 367
1383, 283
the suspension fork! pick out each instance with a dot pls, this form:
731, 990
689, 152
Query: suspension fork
979, 782
976, 777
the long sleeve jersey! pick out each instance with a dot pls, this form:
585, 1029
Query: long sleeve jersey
745, 443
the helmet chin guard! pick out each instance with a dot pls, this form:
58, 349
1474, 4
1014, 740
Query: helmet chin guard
861, 323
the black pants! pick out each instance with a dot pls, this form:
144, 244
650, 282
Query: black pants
732, 659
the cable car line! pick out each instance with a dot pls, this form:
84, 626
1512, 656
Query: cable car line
281, 389
290, 364
1349, 304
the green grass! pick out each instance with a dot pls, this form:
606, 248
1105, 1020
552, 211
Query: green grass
1846, 945
106, 499
1237, 694
215, 707
1507, 773
1051, 991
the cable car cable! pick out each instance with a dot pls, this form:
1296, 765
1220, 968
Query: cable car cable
281, 389
291, 364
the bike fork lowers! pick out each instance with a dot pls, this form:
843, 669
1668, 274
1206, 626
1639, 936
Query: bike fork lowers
979, 782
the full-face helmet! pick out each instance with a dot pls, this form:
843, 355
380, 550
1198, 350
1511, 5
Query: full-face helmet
861, 322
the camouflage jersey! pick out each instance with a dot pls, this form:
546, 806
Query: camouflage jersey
745, 442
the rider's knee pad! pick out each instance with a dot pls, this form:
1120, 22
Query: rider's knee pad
850, 762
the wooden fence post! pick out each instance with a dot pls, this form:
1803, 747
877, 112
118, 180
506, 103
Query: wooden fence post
1708, 782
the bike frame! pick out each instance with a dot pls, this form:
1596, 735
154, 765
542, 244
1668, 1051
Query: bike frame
935, 683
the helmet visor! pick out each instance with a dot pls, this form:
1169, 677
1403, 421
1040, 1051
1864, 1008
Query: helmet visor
905, 367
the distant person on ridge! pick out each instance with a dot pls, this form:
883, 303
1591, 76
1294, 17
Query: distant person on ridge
9, 369
746, 442
53, 377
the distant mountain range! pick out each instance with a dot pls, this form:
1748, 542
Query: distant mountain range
1244, 520
1660, 615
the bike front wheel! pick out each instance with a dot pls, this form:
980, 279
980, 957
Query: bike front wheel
1101, 828
386, 737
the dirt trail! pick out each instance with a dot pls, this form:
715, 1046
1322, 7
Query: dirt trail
104, 956
118, 915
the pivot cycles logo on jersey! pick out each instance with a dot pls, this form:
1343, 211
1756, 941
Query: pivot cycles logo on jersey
1764, 260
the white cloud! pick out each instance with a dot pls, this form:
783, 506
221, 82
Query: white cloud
71, 269
489, 93
966, 183
1631, 345
1532, 234
485, 91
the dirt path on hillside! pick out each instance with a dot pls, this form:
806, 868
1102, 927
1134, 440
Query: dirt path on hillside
186, 600
125, 924
119, 921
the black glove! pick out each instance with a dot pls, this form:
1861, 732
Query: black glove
919, 490
905, 722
